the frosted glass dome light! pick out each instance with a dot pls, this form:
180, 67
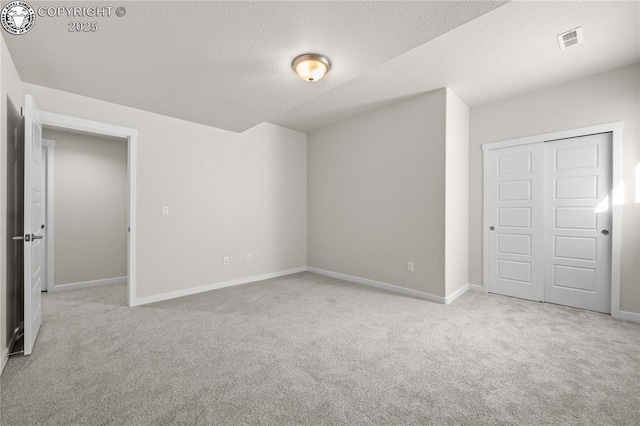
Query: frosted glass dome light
311, 67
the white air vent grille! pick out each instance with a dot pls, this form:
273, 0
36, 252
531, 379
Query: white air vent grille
570, 38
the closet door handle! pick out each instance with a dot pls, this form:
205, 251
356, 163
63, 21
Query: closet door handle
492, 228
605, 232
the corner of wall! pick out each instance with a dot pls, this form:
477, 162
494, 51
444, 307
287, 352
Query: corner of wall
376, 195
456, 194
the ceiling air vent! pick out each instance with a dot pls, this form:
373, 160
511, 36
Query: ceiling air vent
570, 38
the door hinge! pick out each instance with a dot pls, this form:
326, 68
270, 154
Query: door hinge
21, 112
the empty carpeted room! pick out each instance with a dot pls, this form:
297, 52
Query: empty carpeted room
307, 212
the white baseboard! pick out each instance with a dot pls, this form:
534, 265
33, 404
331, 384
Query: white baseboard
87, 284
380, 285
628, 316
215, 286
477, 288
459, 292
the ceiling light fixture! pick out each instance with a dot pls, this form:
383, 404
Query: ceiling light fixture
311, 66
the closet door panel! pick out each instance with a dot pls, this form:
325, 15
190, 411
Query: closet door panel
577, 238
516, 242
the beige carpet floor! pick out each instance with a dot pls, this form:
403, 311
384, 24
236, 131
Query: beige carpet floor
307, 349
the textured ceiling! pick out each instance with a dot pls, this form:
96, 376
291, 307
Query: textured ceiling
227, 64
508, 51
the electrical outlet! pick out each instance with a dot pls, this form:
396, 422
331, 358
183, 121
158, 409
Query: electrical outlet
410, 266
248, 258
165, 210
225, 260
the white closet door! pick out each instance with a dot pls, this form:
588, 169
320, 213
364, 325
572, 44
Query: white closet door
577, 240
516, 236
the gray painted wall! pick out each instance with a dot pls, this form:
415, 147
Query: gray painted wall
603, 98
391, 187
90, 207
228, 194
376, 197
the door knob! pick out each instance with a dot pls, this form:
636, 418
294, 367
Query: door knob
492, 228
29, 237
605, 232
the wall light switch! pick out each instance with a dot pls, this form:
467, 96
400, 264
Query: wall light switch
248, 258
165, 210
410, 266
225, 260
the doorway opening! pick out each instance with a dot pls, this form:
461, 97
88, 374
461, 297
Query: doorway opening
34, 229
53, 122
85, 210
15, 204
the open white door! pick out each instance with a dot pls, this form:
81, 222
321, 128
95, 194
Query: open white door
33, 222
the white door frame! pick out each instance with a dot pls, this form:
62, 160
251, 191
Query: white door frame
65, 122
616, 194
49, 149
